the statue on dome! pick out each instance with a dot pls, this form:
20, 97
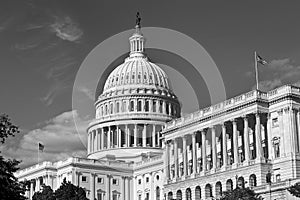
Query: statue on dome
138, 20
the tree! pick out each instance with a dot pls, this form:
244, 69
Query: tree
240, 194
295, 190
68, 191
10, 187
46, 194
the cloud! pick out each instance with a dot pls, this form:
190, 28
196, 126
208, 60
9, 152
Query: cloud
277, 73
59, 135
66, 29
87, 92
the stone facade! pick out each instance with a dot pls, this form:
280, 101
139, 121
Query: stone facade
139, 148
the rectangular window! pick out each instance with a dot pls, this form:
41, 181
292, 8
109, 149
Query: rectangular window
84, 179
140, 181
275, 122
100, 180
115, 181
147, 179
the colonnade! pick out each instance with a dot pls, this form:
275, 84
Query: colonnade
36, 183
127, 135
232, 143
145, 104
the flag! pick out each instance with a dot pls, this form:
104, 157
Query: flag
260, 60
41, 147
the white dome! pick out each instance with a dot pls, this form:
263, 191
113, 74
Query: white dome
137, 71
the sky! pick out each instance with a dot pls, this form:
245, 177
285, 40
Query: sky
44, 42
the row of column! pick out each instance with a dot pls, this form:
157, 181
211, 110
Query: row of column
125, 188
144, 135
138, 105
229, 136
35, 184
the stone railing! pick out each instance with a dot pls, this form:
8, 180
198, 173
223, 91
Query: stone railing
36, 167
150, 160
232, 103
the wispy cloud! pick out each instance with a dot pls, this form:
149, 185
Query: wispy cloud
59, 135
87, 92
66, 29
278, 72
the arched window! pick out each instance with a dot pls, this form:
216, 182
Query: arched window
198, 193
106, 109
179, 195
170, 196
154, 106
160, 106
229, 185
111, 108
139, 106
124, 106
241, 182
218, 189
131, 106
118, 107
157, 193
188, 194
252, 180
208, 191
167, 108
147, 106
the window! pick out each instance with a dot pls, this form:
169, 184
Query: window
140, 181
139, 107
84, 179
275, 122
131, 107
111, 108
157, 193
154, 106
147, 196
100, 180
115, 181
140, 197
276, 146
278, 178
118, 107
147, 106
147, 179
157, 177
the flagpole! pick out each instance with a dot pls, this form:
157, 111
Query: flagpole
256, 70
38, 152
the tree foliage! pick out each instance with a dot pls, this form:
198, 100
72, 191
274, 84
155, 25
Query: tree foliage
10, 187
295, 190
46, 194
68, 191
241, 194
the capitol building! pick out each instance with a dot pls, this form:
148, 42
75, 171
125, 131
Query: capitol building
141, 148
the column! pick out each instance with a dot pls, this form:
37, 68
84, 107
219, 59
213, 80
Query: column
97, 139
153, 136
164, 107
194, 153
258, 137
224, 143
203, 150
170, 108
269, 137
246, 138
129, 188
126, 136
167, 160
102, 138
176, 157
119, 133
214, 147
122, 186
108, 138
144, 135
235, 142
31, 192
298, 127
108, 182
293, 129
151, 105
135, 136
184, 156
92, 185
37, 185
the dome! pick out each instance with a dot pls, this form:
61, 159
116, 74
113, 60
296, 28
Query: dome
137, 71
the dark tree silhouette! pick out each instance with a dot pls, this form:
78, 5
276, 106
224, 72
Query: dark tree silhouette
240, 193
46, 194
68, 191
10, 187
295, 190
